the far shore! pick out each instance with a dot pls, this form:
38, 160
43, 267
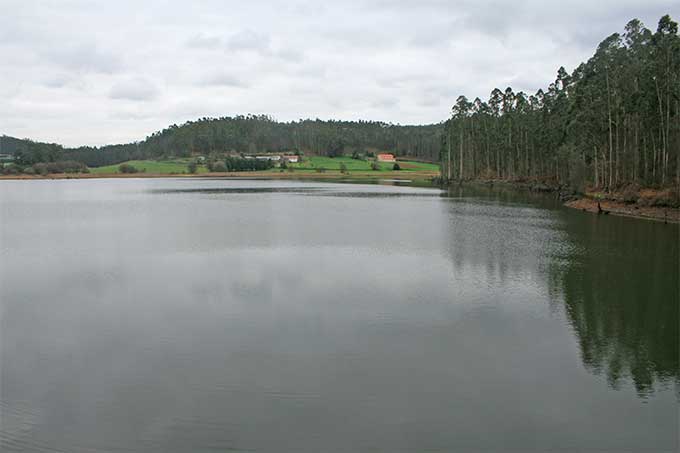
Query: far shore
329, 175
586, 203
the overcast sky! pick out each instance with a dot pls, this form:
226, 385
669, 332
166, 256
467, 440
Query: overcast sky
96, 72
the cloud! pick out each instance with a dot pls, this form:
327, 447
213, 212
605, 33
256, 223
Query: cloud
203, 41
224, 79
85, 58
67, 68
136, 89
248, 40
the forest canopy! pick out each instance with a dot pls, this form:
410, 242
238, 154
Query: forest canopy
615, 120
248, 134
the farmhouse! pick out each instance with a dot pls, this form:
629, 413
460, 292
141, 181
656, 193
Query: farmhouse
292, 159
386, 157
274, 158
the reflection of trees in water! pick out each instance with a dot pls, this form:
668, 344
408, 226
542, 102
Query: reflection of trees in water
618, 278
501, 235
620, 290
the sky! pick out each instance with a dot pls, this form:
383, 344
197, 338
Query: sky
98, 72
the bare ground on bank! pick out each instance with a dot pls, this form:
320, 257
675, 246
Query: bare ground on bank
652, 204
601, 206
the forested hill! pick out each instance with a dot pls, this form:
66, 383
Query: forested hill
248, 134
614, 121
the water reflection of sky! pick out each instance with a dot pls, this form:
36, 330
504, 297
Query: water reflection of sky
142, 315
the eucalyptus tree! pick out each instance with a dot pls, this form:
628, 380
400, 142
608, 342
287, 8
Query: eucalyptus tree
615, 120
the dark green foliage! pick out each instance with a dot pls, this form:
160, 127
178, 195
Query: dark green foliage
11, 169
127, 168
343, 168
375, 166
192, 167
249, 134
218, 167
396, 167
614, 120
336, 147
63, 166
239, 164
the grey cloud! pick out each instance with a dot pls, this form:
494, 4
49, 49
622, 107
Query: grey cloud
385, 103
84, 57
248, 40
290, 55
203, 41
136, 89
392, 60
57, 81
224, 79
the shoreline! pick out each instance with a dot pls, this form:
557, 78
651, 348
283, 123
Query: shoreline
618, 208
609, 203
359, 176
587, 202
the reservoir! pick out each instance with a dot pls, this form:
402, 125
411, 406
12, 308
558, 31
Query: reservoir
205, 315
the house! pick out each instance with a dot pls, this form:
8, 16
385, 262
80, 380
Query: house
269, 157
386, 157
291, 159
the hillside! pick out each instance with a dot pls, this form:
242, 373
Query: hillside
246, 134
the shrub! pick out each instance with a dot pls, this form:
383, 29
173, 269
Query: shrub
70, 166
11, 169
40, 168
218, 167
192, 167
343, 168
320, 170
127, 168
29, 171
375, 166
396, 167
630, 194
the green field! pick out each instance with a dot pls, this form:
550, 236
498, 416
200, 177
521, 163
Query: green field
174, 166
312, 163
309, 164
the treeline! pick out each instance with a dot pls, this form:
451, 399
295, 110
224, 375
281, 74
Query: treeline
239, 164
29, 152
260, 133
614, 121
248, 134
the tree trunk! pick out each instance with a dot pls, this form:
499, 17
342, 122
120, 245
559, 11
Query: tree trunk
609, 121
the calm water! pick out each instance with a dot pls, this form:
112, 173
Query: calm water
208, 315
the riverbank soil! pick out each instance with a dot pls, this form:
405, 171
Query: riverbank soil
645, 203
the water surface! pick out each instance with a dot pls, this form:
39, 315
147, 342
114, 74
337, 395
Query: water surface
177, 315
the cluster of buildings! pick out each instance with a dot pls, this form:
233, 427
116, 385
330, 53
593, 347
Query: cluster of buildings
276, 158
385, 157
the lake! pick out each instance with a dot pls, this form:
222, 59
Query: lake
204, 315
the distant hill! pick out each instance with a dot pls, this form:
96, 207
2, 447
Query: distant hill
10, 145
246, 134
